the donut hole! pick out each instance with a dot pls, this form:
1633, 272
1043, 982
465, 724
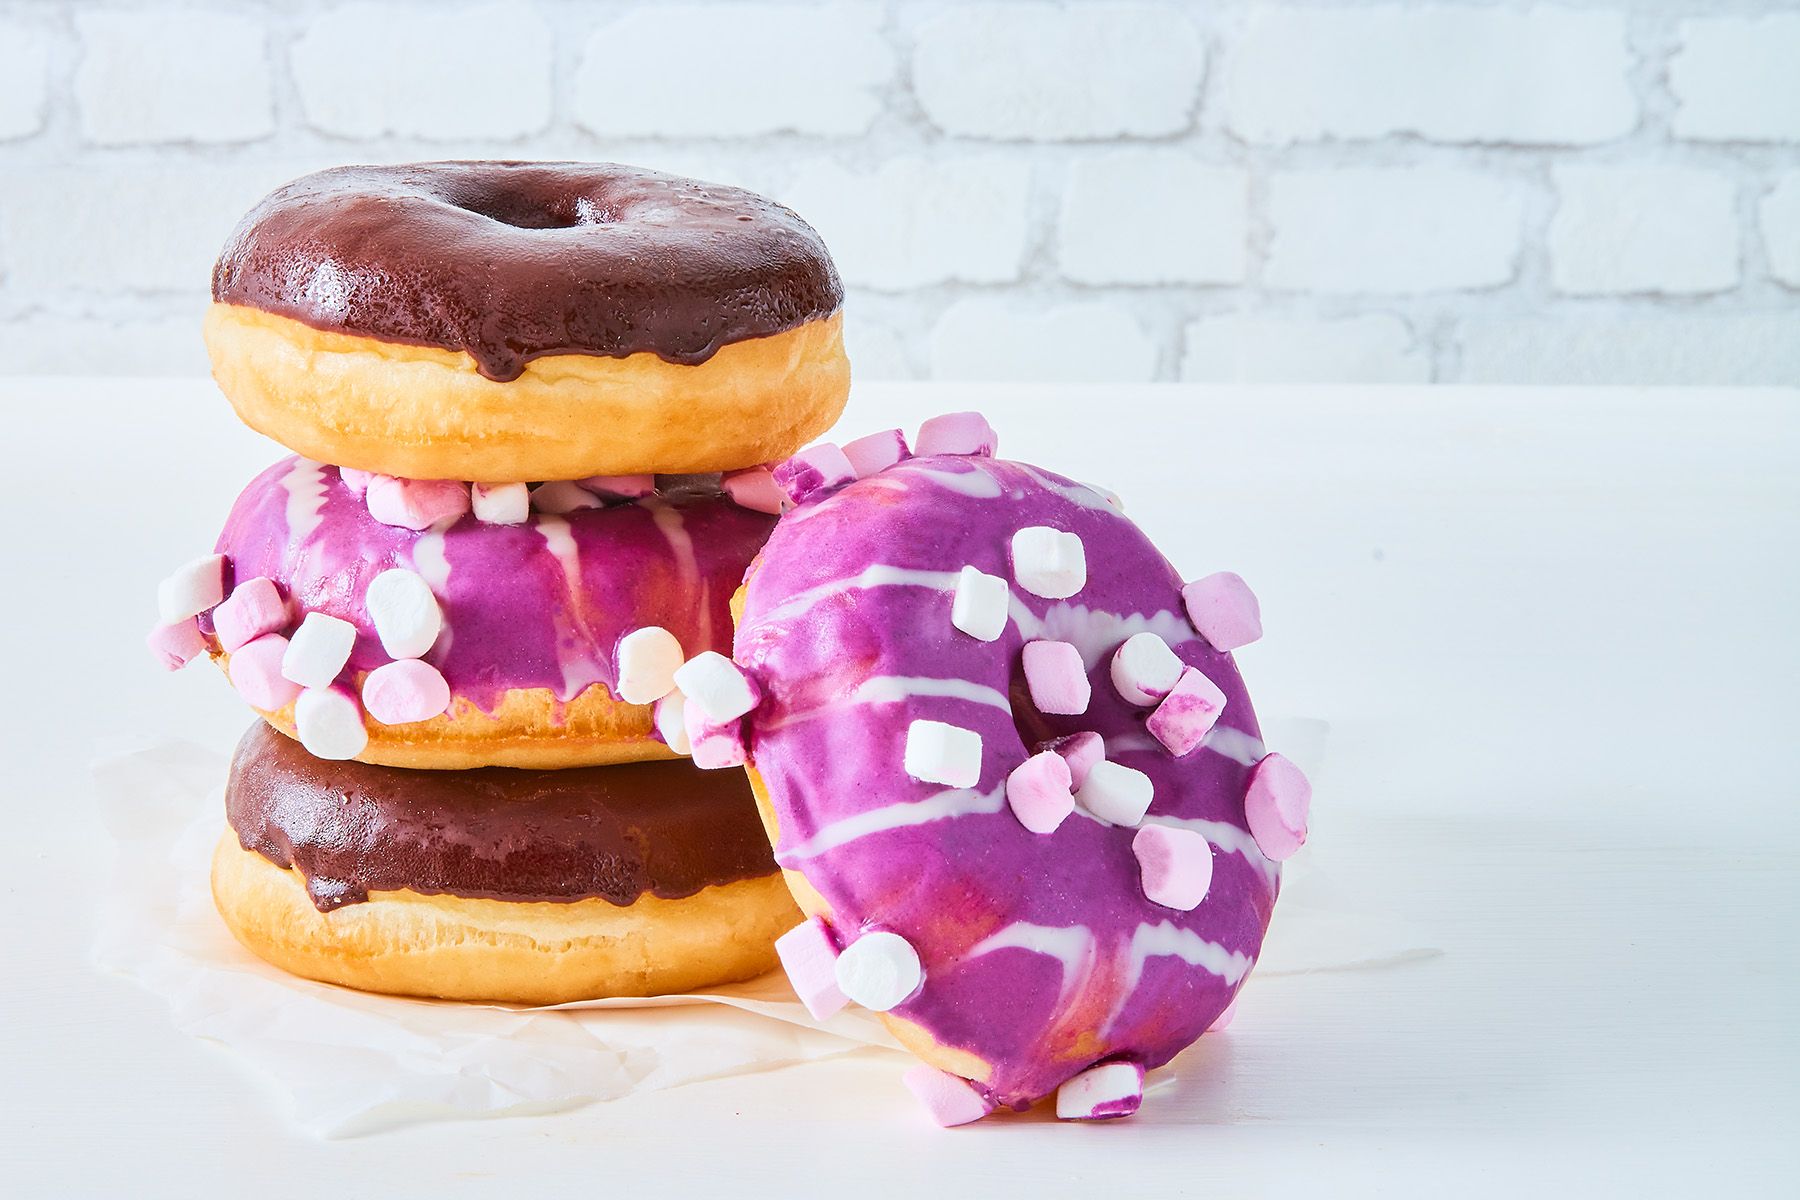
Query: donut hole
533, 210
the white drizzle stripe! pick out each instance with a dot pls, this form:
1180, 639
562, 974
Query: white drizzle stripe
1078, 494
1224, 741
1071, 945
669, 520
892, 689
577, 674
1169, 940
305, 487
956, 802
975, 483
879, 575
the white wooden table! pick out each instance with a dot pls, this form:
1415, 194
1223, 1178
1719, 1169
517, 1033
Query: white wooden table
1554, 633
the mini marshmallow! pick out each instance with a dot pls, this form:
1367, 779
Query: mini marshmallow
1276, 806
1101, 1093
814, 472
1056, 678
318, 650
809, 957
329, 724
670, 717
357, 481
1081, 751
877, 452
950, 1100
754, 488
255, 607
561, 496
1038, 791
878, 970
255, 671
177, 645
1187, 714
399, 693
1224, 1019
1107, 494
1116, 793
407, 616
717, 687
980, 605
501, 503
713, 745
1224, 610
192, 589
1175, 866
1048, 562
1144, 669
416, 503
623, 487
940, 753
647, 661
957, 433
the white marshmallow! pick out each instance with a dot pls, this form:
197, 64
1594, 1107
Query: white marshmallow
561, 496
940, 753
1116, 793
1099, 1093
1144, 669
878, 970
329, 723
191, 590
406, 615
1048, 562
979, 608
501, 503
318, 650
671, 723
714, 684
647, 659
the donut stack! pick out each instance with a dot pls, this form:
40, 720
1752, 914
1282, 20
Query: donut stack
531, 407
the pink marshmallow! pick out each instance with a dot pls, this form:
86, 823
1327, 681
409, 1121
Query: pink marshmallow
1187, 714
624, 487
877, 452
1039, 792
177, 645
815, 472
1101, 1093
1175, 866
255, 607
1056, 678
404, 691
713, 745
1081, 751
957, 433
949, 1099
1224, 610
755, 489
1224, 1019
357, 481
1276, 806
255, 671
416, 503
808, 955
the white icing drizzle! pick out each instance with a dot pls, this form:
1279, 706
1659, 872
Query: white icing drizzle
955, 802
1071, 945
1235, 744
577, 672
891, 689
434, 568
669, 520
305, 487
1096, 632
1078, 494
977, 483
878, 575
1169, 940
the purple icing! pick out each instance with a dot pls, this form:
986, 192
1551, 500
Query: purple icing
848, 609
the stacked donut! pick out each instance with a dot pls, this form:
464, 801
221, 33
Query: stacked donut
530, 406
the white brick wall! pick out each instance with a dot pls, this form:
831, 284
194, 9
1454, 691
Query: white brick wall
1297, 190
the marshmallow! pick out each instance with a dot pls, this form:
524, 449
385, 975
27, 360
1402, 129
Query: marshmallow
754, 488
670, 716
1144, 669
980, 605
1224, 610
1038, 790
1107, 494
1224, 1019
1101, 1093
949, 1099
940, 753
177, 645
562, 496
399, 693
713, 745
1187, 714
623, 487
1115, 793
1175, 866
956, 433
329, 724
878, 970
1056, 678
1276, 805
255, 607
809, 957
1048, 562
647, 661
1081, 751
318, 650
255, 671
416, 503
713, 684
814, 472
191, 590
877, 452
357, 481
406, 615
501, 503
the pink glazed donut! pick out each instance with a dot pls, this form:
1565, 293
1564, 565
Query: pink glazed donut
934, 653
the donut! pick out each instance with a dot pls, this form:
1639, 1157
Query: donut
535, 634
1009, 768
505, 321
522, 887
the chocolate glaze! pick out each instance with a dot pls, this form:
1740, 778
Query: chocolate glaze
511, 261
667, 829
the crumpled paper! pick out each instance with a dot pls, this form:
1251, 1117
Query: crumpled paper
352, 1063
